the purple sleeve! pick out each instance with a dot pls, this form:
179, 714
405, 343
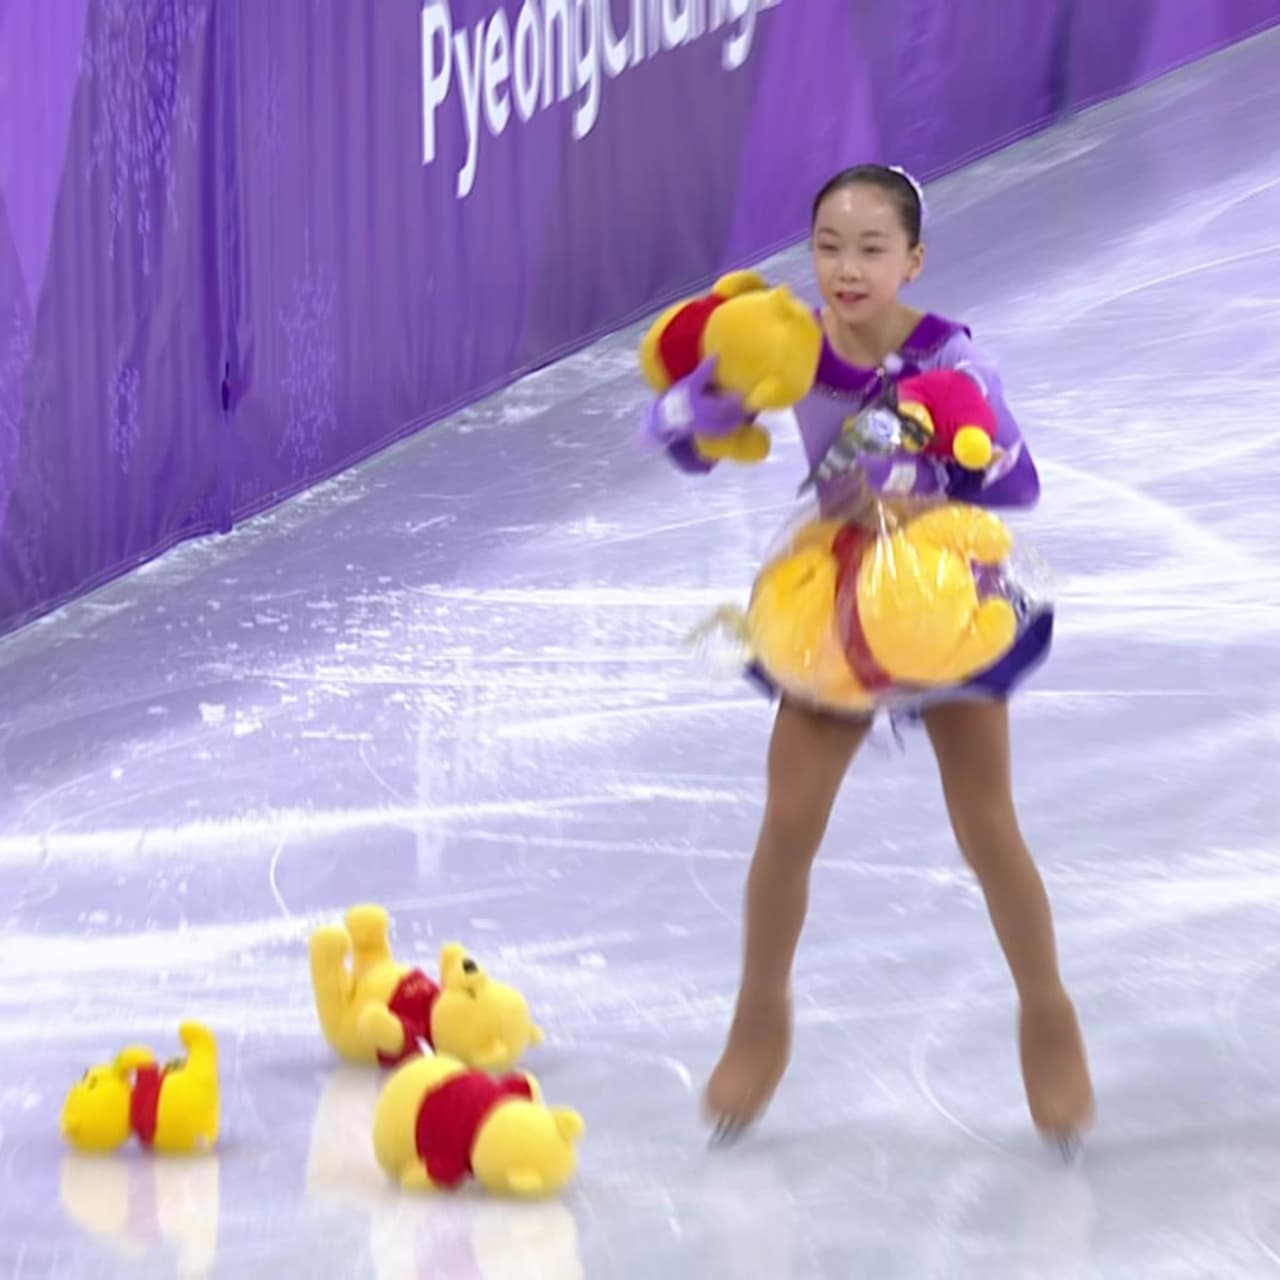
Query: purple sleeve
656, 433
1012, 480
692, 407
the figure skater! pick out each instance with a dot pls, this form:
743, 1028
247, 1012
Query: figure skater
867, 240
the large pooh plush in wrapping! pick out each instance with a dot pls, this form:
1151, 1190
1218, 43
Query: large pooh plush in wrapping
847, 614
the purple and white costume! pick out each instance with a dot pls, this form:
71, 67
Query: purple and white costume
840, 393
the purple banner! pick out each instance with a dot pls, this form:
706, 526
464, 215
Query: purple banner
244, 245
109, 331
1115, 45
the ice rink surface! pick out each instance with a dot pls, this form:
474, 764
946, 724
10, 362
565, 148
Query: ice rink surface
454, 682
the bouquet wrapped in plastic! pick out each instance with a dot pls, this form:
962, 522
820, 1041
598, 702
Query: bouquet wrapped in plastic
873, 600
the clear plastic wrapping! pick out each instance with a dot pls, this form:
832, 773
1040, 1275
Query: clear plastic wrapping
868, 602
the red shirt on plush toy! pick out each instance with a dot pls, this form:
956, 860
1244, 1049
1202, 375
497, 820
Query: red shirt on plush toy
144, 1103
451, 1116
412, 1003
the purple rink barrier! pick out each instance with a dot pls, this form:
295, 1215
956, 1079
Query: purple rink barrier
1114, 45
110, 426
243, 245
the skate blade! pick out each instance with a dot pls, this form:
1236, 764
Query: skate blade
1070, 1148
727, 1133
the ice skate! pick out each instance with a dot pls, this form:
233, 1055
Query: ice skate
1055, 1072
750, 1069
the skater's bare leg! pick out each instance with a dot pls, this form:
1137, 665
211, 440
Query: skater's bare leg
971, 740
808, 758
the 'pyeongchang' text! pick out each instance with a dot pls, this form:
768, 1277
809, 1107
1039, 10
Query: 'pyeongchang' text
558, 49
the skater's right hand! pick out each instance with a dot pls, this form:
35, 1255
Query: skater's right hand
902, 475
693, 407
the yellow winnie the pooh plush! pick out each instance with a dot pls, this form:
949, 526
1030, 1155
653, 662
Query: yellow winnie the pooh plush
765, 344
375, 1010
846, 613
172, 1108
438, 1124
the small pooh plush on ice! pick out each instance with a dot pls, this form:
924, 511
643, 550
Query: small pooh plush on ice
171, 1108
437, 1124
375, 1010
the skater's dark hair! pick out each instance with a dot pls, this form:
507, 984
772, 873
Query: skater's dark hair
897, 184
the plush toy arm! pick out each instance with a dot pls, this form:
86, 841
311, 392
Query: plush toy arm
380, 1030
1011, 480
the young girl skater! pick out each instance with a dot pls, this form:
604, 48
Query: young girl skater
867, 225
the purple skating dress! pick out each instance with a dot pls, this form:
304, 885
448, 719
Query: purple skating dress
842, 390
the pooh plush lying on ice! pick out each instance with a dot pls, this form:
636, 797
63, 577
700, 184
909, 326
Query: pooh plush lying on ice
437, 1124
172, 1108
375, 1010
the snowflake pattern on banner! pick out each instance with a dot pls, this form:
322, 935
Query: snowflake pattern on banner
25, 378
122, 413
310, 380
135, 59
15, 355
265, 142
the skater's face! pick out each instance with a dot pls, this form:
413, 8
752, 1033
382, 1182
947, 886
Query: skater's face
862, 253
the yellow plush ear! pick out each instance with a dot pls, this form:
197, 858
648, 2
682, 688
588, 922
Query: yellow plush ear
736, 283
650, 361
452, 954
130, 1059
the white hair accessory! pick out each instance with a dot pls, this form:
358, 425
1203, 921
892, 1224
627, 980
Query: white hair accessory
916, 187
